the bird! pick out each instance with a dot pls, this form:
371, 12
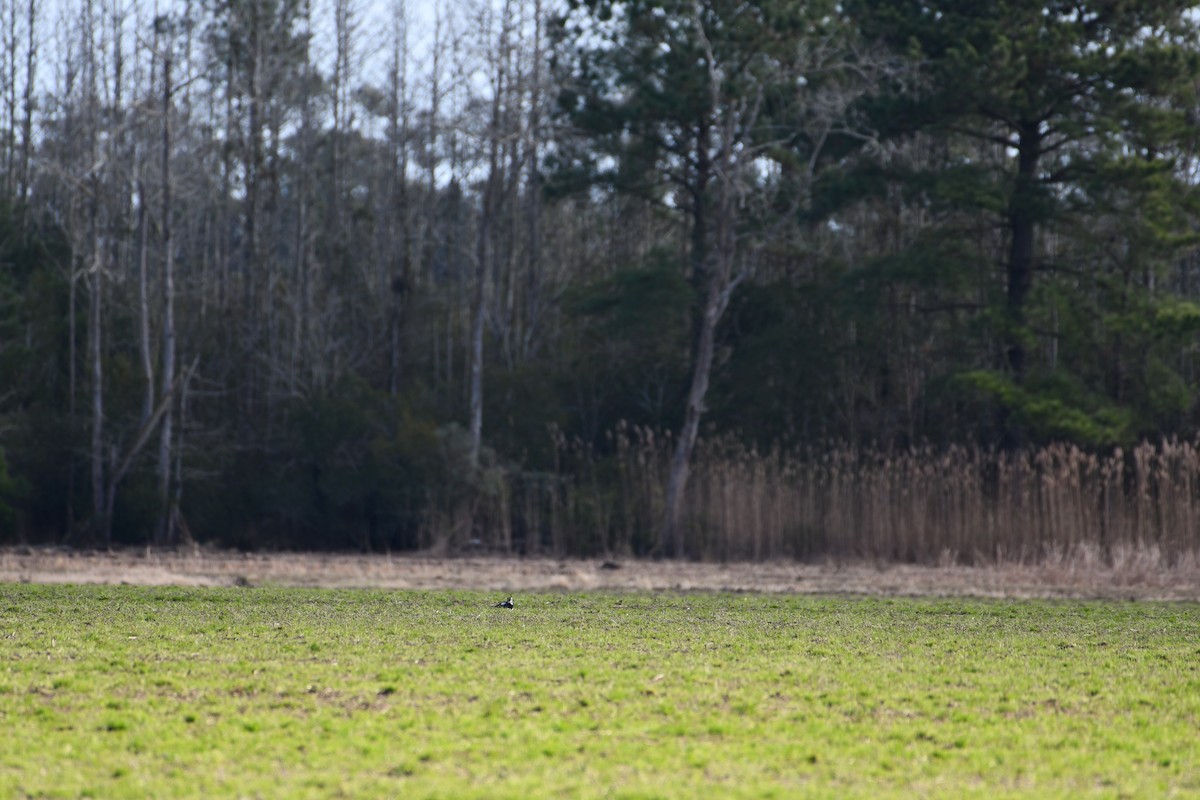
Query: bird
508, 603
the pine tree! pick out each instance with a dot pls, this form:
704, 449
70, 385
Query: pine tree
720, 111
1070, 106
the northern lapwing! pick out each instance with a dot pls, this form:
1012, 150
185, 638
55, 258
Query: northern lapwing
505, 604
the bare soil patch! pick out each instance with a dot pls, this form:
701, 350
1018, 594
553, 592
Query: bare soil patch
1075, 578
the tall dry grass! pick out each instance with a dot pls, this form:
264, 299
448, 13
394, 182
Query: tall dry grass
966, 505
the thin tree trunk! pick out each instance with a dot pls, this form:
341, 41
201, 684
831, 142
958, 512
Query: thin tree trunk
10, 98
485, 252
703, 280
100, 513
720, 288
183, 535
165, 528
226, 248
120, 466
533, 289
144, 349
1022, 222
302, 306
27, 123
101, 522
252, 265
713, 273
432, 153
398, 121
143, 275
72, 367
478, 309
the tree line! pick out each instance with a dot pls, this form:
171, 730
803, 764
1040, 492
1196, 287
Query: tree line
285, 273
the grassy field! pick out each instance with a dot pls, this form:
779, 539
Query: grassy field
113, 692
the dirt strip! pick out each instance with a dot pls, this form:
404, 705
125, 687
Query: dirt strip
1132, 581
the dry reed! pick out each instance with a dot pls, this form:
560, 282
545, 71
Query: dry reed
1058, 505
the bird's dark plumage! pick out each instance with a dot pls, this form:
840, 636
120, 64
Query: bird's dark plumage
505, 604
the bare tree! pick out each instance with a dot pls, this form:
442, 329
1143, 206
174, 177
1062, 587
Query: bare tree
27, 106
398, 266
485, 246
165, 532
534, 300
8, 75
101, 521
145, 349
303, 244
735, 142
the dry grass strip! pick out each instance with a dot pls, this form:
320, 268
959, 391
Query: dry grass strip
1135, 577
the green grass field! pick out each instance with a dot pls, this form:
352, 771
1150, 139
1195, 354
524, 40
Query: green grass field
114, 692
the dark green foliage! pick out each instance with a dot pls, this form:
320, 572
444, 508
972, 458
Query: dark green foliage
35, 455
940, 221
772, 384
629, 360
34, 263
522, 406
1064, 121
656, 87
12, 492
354, 468
1054, 409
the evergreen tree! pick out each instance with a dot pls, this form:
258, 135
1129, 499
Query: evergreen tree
1054, 114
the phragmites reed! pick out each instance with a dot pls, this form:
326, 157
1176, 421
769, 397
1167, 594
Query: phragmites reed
959, 504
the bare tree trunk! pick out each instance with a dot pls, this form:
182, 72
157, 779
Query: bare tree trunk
253, 265
303, 255
429, 218
144, 349
165, 533
485, 250
120, 466
533, 287
398, 131
9, 66
101, 522
478, 310
431, 156
72, 367
703, 279
730, 121
1020, 268
226, 247
344, 24
183, 535
721, 285
27, 123
100, 511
